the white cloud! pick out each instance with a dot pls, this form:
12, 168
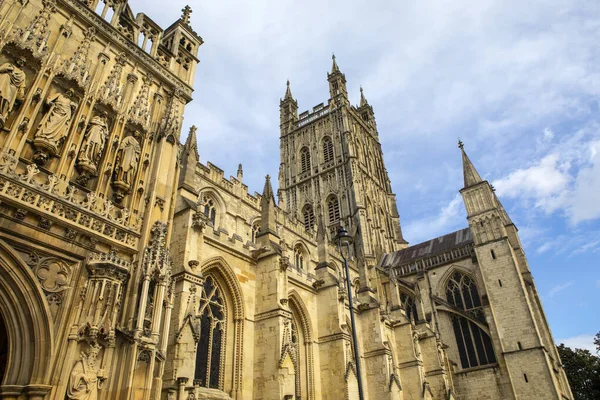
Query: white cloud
559, 288
545, 180
585, 342
585, 203
548, 135
449, 217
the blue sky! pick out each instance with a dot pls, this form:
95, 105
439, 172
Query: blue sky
518, 82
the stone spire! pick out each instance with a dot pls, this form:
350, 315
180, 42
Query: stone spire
363, 99
267, 210
288, 92
334, 66
470, 174
191, 144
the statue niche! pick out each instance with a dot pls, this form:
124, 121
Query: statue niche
86, 376
54, 127
126, 165
88, 160
12, 87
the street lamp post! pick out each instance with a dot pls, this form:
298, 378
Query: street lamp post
344, 239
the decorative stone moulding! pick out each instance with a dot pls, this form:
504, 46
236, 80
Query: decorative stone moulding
35, 37
62, 203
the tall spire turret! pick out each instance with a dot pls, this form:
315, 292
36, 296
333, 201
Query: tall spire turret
334, 66
268, 225
470, 174
189, 159
288, 110
363, 99
288, 92
337, 84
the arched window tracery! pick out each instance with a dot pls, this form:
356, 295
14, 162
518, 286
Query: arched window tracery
474, 345
309, 217
327, 150
209, 209
210, 352
410, 306
304, 159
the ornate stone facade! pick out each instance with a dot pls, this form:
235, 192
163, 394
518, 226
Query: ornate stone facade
130, 270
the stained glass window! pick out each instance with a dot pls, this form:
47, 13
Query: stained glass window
474, 345
211, 349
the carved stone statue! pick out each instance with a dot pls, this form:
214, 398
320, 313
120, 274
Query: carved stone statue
54, 126
126, 163
93, 146
86, 376
12, 87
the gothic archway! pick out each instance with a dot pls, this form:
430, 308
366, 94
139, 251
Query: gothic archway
28, 324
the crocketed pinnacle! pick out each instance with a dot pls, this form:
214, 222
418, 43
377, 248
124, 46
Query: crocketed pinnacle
363, 99
191, 143
334, 66
470, 174
288, 92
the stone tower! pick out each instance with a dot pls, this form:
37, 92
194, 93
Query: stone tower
524, 346
332, 170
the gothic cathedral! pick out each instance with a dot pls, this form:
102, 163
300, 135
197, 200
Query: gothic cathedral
131, 270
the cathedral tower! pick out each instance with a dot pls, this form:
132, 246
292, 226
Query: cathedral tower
332, 169
524, 346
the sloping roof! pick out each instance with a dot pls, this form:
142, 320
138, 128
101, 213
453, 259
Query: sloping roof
426, 249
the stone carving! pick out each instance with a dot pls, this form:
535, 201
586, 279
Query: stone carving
86, 376
12, 87
92, 147
139, 113
35, 36
126, 163
54, 126
78, 66
111, 91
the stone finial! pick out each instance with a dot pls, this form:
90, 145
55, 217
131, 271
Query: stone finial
185, 14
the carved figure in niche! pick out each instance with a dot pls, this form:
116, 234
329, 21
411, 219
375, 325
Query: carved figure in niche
93, 146
126, 163
12, 87
54, 126
86, 376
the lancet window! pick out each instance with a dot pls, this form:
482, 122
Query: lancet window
210, 353
474, 345
298, 257
327, 150
255, 230
304, 159
333, 209
309, 218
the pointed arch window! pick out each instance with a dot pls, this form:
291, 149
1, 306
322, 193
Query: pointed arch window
333, 209
255, 230
209, 209
211, 346
327, 150
410, 307
474, 345
304, 159
299, 257
309, 218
